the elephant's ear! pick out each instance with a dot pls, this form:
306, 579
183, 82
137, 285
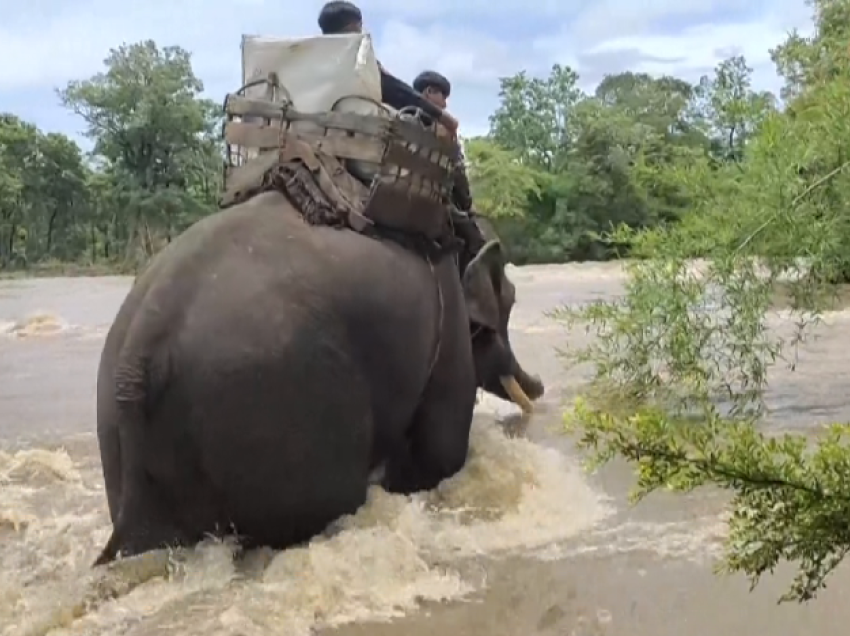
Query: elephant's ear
480, 285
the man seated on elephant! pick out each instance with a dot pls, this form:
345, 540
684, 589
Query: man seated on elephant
338, 17
436, 88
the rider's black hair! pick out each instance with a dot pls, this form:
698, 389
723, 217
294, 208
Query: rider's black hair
336, 15
432, 79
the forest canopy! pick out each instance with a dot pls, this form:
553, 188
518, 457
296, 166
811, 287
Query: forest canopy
155, 166
557, 168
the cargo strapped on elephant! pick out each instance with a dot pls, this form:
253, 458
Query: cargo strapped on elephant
317, 160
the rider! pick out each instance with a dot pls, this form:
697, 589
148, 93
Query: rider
436, 88
340, 16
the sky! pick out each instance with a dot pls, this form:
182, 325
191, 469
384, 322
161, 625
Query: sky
46, 43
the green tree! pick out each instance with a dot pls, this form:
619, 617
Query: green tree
728, 109
156, 134
501, 182
596, 157
533, 119
42, 192
17, 149
660, 103
682, 360
155, 168
60, 180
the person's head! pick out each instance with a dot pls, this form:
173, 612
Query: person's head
339, 16
434, 87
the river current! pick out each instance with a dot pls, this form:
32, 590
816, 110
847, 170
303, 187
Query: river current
520, 542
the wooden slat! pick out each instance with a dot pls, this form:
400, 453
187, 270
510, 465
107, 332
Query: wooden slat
393, 206
240, 178
398, 155
414, 133
336, 143
333, 142
238, 106
251, 135
372, 126
247, 107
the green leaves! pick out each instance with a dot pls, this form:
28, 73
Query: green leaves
533, 117
728, 110
146, 116
682, 361
157, 163
42, 188
790, 501
600, 160
502, 182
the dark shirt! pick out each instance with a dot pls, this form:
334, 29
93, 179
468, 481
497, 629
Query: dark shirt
400, 95
461, 192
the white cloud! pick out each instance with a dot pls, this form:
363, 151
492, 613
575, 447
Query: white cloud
473, 42
702, 47
464, 55
702, 37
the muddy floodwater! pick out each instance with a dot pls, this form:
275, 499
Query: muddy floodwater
520, 542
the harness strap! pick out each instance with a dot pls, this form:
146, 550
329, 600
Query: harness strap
441, 309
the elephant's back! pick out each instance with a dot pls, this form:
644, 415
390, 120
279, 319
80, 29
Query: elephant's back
264, 243
261, 266
254, 282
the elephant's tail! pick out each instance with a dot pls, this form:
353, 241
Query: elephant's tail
121, 522
135, 397
109, 552
130, 398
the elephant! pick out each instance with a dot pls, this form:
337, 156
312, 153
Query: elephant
260, 370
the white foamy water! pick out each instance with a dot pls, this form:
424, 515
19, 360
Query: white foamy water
396, 552
39, 323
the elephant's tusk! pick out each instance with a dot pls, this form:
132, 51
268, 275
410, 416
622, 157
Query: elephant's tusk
515, 392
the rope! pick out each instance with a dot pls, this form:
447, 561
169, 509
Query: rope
441, 320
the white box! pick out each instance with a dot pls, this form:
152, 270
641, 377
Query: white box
318, 74
316, 71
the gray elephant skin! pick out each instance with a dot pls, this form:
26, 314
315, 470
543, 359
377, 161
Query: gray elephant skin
260, 369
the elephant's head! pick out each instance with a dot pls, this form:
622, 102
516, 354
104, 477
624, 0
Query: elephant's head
490, 297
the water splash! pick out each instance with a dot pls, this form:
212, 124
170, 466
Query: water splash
37, 324
395, 553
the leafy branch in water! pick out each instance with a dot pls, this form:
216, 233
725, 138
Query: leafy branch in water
790, 501
682, 359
